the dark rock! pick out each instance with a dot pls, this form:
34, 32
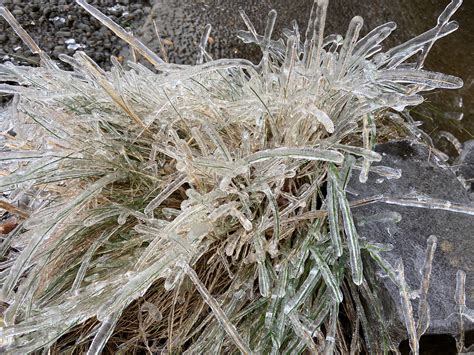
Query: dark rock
421, 175
84, 27
58, 50
63, 33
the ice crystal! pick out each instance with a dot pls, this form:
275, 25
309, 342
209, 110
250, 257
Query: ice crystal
228, 178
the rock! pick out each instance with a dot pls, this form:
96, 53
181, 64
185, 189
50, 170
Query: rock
423, 176
17, 12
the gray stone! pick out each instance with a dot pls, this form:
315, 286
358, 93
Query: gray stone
421, 174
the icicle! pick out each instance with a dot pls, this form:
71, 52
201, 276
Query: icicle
234, 212
384, 171
368, 154
368, 137
323, 118
384, 217
153, 311
276, 213
271, 18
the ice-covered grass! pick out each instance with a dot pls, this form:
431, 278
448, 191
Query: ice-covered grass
203, 208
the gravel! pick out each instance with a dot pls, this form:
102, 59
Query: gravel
54, 24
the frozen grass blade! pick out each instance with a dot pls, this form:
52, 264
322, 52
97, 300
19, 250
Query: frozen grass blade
460, 299
103, 334
327, 275
349, 227
407, 308
297, 153
423, 306
119, 31
333, 216
220, 315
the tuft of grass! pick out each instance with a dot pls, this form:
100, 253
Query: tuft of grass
203, 209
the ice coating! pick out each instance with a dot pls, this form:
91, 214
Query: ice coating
227, 174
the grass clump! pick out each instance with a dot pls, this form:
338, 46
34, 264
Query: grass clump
203, 209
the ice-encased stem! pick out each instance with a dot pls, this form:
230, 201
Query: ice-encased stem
396, 55
373, 38
296, 153
349, 227
420, 77
327, 275
317, 35
407, 308
443, 19
120, 32
103, 334
460, 299
203, 43
333, 216
230, 329
347, 48
304, 290
423, 306
332, 330
165, 193
429, 203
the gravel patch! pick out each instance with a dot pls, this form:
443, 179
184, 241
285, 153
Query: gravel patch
60, 26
